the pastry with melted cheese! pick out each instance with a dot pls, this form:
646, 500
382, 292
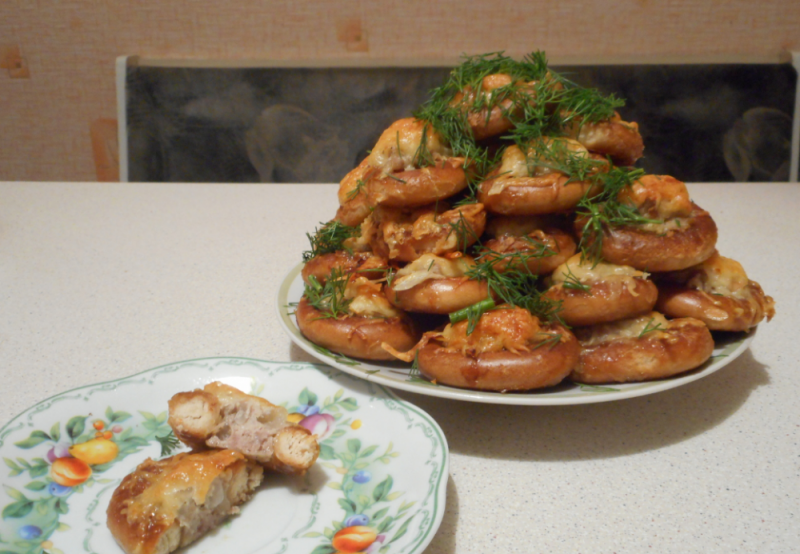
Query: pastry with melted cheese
680, 236
718, 293
540, 251
488, 116
528, 183
221, 416
365, 321
641, 348
344, 263
509, 350
620, 140
409, 166
167, 504
600, 293
436, 285
405, 236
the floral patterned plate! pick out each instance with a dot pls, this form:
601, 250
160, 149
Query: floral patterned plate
378, 486
400, 376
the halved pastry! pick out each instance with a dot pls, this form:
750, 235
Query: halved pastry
221, 416
599, 293
641, 348
718, 293
509, 349
167, 504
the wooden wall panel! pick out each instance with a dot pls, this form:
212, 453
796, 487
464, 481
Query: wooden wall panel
69, 46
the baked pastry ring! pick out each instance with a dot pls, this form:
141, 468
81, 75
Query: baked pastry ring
718, 293
486, 122
668, 250
405, 236
356, 336
167, 504
618, 139
599, 293
511, 189
344, 262
418, 187
436, 285
541, 251
640, 349
509, 350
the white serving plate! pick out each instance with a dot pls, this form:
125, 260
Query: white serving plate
400, 376
383, 463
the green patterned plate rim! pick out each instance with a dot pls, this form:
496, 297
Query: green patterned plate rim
378, 486
400, 376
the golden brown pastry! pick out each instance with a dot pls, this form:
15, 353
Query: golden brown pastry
718, 293
436, 285
681, 235
167, 504
641, 348
528, 183
221, 416
509, 350
600, 293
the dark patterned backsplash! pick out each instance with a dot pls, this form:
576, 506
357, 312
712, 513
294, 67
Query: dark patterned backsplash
699, 122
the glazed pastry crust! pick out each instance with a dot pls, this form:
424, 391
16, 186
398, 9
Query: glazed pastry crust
439, 296
605, 301
502, 371
718, 312
674, 250
356, 336
546, 194
418, 187
683, 345
558, 246
167, 504
364, 263
221, 416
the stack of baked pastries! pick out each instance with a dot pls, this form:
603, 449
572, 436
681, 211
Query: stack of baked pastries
502, 239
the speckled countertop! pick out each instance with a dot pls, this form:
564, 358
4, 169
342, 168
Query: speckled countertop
100, 281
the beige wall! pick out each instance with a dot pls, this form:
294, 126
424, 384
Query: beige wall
57, 56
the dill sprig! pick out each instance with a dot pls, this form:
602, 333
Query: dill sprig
649, 328
168, 443
572, 282
329, 299
509, 279
604, 211
360, 186
556, 155
329, 238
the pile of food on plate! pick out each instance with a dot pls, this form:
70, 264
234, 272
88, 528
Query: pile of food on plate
167, 504
501, 239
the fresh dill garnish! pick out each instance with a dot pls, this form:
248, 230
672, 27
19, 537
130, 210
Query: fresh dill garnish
465, 233
555, 154
537, 101
552, 340
572, 282
168, 443
329, 299
649, 328
398, 179
604, 211
510, 280
360, 185
329, 238
423, 157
